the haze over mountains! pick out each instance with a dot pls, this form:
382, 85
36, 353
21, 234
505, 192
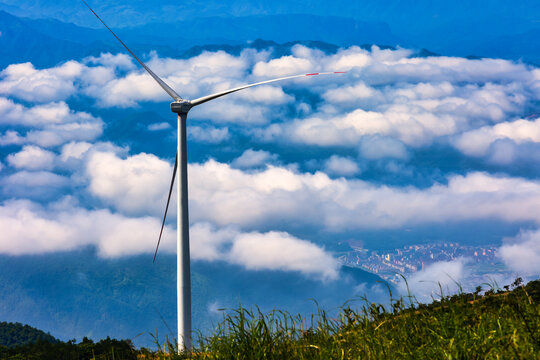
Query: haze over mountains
54, 40
78, 294
462, 28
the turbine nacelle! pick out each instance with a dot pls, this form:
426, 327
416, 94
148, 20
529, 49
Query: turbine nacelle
181, 107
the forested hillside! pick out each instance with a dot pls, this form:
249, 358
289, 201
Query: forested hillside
15, 334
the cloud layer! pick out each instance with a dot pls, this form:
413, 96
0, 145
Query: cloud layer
223, 195
522, 254
436, 280
262, 251
30, 228
292, 157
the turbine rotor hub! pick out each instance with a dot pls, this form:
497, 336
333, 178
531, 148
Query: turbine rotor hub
181, 107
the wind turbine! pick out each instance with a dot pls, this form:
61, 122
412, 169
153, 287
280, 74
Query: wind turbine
181, 107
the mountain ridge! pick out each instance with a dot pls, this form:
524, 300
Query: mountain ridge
46, 42
17, 334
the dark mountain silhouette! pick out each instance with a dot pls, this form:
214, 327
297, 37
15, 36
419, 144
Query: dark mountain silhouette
17, 334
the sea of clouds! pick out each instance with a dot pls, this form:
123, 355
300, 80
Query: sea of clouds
64, 185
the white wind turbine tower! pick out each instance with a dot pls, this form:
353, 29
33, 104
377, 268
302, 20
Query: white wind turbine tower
181, 107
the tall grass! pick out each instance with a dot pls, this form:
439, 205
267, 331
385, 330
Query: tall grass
499, 325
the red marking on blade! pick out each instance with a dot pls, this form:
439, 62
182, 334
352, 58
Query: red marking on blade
312, 74
340, 72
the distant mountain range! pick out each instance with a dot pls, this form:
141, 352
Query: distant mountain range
341, 31
46, 42
77, 294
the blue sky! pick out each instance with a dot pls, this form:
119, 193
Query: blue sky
405, 148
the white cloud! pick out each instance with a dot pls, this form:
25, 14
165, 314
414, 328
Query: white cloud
59, 134
209, 243
414, 128
353, 57
341, 166
263, 94
425, 90
121, 236
413, 100
208, 134
402, 68
191, 78
33, 183
223, 195
262, 251
25, 82
29, 228
48, 124
478, 141
413, 114
522, 253
32, 229
428, 283
136, 185
236, 112
254, 158
205, 65
351, 93
379, 147
284, 66
386, 92
58, 83
11, 138
281, 251
503, 152
201, 75
120, 61
37, 179
74, 157
26, 232
159, 126
32, 158
127, 91
74, 150
54, 113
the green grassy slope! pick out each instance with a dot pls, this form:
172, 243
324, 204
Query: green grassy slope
499, 325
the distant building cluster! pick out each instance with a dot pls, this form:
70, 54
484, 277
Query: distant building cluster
412, 258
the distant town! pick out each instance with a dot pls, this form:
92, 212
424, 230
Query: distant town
406, 261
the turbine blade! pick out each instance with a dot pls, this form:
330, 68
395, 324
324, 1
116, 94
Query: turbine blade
161, 83
167, 206
204, 99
